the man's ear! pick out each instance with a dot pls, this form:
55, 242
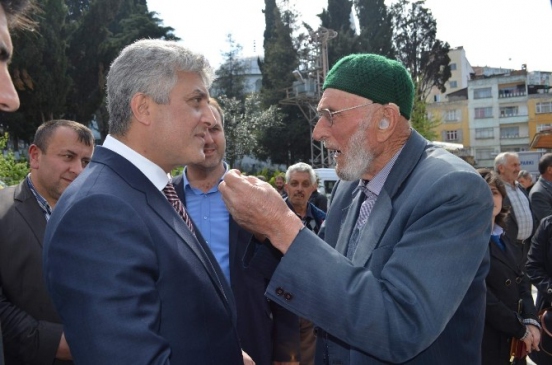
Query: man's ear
141, 106
389, 119
34, 153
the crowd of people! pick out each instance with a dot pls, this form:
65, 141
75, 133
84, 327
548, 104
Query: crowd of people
107, 259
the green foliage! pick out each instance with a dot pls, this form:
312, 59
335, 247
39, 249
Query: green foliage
12, 171
230, 77
417, 48
420, 121
60, 70
244, 123
376, 28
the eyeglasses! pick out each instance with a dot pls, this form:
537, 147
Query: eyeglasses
328, 115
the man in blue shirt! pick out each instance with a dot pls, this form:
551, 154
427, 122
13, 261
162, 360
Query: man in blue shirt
268, 333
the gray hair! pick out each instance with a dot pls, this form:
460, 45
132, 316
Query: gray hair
500, 159
301, 167
148, 66
525, 174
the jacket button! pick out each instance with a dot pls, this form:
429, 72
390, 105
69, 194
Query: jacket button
518, 279
279, 292
508, 282
549, 290
288, 296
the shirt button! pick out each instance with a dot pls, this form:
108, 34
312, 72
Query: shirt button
204, 217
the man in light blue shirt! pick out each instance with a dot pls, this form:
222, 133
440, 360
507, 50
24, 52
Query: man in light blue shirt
268, 333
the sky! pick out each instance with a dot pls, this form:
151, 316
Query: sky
495, 33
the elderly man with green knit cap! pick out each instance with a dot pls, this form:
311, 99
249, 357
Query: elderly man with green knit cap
399, 277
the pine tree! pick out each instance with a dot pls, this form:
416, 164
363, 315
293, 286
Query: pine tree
230, 76
376, 28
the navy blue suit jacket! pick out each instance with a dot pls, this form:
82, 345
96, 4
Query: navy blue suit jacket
267, 331
130, 281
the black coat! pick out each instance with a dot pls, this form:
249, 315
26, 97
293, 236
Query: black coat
506, 285
30, 324
267, 331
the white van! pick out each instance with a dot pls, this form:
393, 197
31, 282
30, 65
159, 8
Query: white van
326, 180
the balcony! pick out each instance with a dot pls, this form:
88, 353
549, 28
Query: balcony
510, 94
512, 118
513, 139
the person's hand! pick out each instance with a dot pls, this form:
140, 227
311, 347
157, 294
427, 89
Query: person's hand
536, 335
256, 206
63, 351
247, 360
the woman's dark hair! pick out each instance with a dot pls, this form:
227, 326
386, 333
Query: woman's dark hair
493, 179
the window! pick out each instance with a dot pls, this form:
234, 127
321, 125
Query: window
545, 107
483, 93
453, 85
486, 112
436, 98
453, 67
450, 116
451, 136
484, 133
508, 111
509, 132
485, 154
541, 127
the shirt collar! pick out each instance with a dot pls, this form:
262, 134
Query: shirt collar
187, 182
43, 203
376, 184
497, 230
153, 172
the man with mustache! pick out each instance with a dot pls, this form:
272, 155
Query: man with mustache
399, 277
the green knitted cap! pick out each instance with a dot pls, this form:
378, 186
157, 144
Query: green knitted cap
373, 77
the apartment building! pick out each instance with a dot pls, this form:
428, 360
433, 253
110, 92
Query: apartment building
498, 110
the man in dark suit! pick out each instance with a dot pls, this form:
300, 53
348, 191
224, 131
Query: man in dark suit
540, 195
267, 332
401, 276
33, 333
130, 278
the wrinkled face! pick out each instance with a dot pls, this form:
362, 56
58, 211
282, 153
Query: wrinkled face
279, 182
351, 138
497, 199
299, 188
510, 170
9, 100
180, 128
64, 159
215, 143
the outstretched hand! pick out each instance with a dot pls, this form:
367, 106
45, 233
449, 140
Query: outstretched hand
256, 206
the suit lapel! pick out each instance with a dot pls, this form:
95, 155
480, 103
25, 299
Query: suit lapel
373, 230
159, 204
350, 214
30, 211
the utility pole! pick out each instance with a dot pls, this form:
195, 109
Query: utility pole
306, 91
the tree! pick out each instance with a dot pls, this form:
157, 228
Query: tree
12, 171
420, 121
60, 69
244, 123
289, 142
39, 71
230, 77
376, 28
338, 17
418, 49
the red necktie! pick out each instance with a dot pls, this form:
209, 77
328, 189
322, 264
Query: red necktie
172, 197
